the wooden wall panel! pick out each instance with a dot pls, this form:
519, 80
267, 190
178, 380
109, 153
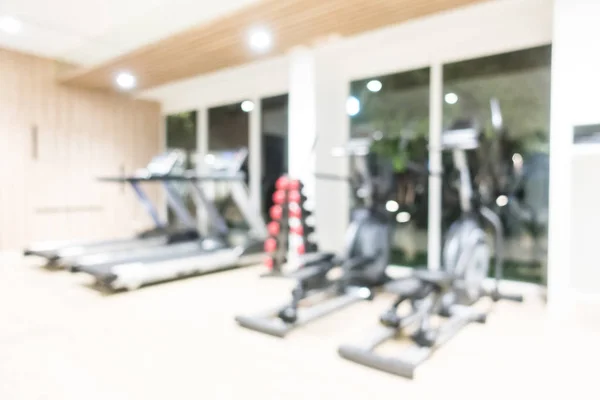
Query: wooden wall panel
54, 141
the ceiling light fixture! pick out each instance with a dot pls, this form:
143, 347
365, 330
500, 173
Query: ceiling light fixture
392, 206
10, 25
260, 40
502, 200
403, 217
451, 98
247, 106
374, 86
126, 81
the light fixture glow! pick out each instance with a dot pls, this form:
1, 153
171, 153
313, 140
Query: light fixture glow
260, 40
451, 98
247, 106
126, 81
517, 160
392, 206
352, 106
10, 25
374, 86
403, 217
502, 200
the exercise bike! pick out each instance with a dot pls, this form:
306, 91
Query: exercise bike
361, 267
450, 292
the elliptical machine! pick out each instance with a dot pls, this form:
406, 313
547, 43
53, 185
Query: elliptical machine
449, 293
363, 263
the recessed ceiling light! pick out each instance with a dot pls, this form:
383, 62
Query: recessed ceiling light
247, 106
392, 206
260, 40
126, 81
403, 217
451, 98
352, 106
374, 86
502, 200
10, 25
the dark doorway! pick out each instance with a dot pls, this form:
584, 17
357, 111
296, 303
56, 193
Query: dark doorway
274, 146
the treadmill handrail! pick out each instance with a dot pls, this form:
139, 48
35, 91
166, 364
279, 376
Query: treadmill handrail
178, 178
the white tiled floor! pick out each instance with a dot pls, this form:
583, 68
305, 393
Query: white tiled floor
61, 340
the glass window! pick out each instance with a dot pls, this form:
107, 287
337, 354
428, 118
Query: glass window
228, 129
274, 146
181, 135
512, 161
397, 105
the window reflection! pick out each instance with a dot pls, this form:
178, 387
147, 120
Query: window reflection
228, 130
181, 135
397, 106
520, 81
274, 146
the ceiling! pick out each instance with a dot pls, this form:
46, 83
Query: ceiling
88, 32
161, 41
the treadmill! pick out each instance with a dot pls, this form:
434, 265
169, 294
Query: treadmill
162, 165
214, 239
219, 250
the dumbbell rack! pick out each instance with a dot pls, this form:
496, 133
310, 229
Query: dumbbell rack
288, 228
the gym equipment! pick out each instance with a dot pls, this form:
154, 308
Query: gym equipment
160, 166
277, 243
210, 242
362, 266
223, 250
449, 293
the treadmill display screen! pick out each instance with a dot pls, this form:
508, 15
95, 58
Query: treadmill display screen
231, 161
166, 163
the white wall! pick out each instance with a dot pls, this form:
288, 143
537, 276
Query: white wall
260, 79
574, 191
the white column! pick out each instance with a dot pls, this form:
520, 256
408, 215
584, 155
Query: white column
317, 101
201, 133
570, 83
434, 225
163, 208
255, 156
302, 117
201, 151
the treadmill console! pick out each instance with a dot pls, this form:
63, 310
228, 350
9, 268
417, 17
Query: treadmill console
227, 161
170, 162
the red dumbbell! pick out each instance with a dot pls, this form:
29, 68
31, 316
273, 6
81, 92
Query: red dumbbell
282, 183
273, 228
294, 196
270, 245
298, 230
301, 249
294, 184
276, 212
295, 212
269, 262
279, 197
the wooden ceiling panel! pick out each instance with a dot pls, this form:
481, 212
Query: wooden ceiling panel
222, 43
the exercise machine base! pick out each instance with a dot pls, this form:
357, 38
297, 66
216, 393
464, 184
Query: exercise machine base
406, 364
270, 324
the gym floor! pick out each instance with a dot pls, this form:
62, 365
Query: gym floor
59, 339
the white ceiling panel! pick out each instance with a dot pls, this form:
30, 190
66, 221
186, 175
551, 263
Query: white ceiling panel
91, 31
